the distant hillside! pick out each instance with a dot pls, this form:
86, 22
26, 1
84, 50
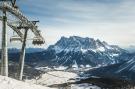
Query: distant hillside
28, 50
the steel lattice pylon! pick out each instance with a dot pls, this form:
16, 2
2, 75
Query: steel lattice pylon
23, 23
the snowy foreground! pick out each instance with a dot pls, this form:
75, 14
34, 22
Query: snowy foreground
50, 78
60, 77
9, 83
53, 77
84, 86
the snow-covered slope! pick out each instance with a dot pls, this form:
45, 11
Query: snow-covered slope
54, 77
124, 70
8, 83
129, 66
84, 86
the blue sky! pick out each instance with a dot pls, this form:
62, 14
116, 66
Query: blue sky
108, 20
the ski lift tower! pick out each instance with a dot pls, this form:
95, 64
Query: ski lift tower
22, 23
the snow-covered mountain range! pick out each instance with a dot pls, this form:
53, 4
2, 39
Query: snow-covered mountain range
75, 43
85, 56
90, 56
76, 52
85, 51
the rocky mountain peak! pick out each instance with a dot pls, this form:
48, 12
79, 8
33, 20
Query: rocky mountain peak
76, 43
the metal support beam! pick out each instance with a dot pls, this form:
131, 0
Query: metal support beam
24, 19
18, 14
22, 57
4, 53
13, 27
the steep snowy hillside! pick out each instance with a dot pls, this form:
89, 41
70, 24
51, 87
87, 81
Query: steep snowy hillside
127, 66
125, 71
8, 83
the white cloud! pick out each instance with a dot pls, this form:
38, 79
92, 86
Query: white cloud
114, 33
109, 20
